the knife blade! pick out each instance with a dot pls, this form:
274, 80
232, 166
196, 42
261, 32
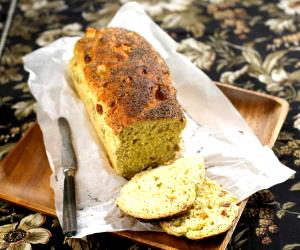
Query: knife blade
69, 165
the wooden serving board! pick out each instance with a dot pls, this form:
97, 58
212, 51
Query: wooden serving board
25, 172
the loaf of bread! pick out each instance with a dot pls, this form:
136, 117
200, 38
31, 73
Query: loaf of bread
164, 191
213, 213
127, 90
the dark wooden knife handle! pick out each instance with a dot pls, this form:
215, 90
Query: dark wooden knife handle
69, 206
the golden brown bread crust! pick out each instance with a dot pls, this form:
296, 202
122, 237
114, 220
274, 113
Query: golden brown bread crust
128, 76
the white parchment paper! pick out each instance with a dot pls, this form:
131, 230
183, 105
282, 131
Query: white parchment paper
234, 157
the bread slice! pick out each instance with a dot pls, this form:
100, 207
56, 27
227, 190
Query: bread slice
164, 191
127, 90
213, 213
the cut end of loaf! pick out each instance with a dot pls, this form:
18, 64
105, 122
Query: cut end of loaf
147, 144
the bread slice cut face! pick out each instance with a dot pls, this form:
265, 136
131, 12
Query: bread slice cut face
214, 212
163, 192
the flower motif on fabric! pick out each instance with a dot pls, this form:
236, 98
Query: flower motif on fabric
201, 54
297, 121
21, 235
260, 208
290, 7
280, 25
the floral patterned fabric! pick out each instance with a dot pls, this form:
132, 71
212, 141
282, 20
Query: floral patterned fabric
252, 44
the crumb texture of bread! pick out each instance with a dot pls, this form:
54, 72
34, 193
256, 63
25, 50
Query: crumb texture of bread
214, 212
127, 90
164, 191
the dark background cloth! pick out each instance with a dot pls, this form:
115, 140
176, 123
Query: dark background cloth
252, 44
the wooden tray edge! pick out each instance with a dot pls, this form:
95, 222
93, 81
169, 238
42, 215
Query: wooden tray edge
17, 201
283, 104
30, 205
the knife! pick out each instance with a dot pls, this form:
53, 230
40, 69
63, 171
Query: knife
69, 165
